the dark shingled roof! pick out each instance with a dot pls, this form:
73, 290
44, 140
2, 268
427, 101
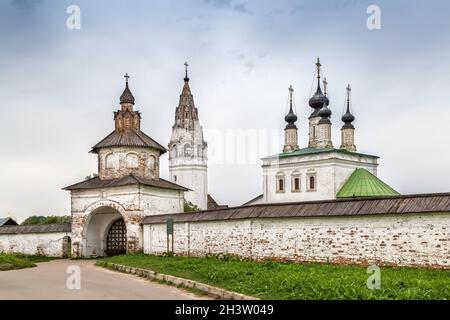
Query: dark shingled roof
7, 222
421, 203
129, 138
131, 179
37, 228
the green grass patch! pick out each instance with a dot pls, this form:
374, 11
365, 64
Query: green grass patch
280, 280
11, 261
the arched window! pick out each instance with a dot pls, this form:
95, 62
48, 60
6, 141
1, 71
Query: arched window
111, 161
174, 151
151, 163
187, 150
295, 178
312, 182
132, 160
280, 182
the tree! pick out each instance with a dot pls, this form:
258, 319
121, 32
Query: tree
190, 207
45, 220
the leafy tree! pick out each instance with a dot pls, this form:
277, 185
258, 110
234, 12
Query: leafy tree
45, 220
190, 207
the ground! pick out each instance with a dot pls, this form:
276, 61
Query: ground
278, 280
48, 281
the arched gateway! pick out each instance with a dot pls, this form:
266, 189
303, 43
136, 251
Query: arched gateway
107, 209
105, 232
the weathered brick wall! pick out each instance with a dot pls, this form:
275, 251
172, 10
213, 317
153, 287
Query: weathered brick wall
48, 244
407, 240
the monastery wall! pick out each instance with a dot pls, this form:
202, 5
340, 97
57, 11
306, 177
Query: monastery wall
50, 244
411, 239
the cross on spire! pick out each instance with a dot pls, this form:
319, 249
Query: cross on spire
325, 86
349, 89
186, 65
291, 91
126, 76
318, 65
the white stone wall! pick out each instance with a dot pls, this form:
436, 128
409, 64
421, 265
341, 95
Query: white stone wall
400, 239
331, 170
121, 161
48, 244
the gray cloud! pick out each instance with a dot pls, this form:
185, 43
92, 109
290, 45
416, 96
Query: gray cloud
242, 8
239, 7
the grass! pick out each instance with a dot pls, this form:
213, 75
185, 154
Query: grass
279, 280
11, 261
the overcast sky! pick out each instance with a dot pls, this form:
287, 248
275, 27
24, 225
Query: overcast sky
59, 87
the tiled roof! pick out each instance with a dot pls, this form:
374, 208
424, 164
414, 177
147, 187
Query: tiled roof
309, 151
124, 181
37, 228
128, 138
402, 204
364, 184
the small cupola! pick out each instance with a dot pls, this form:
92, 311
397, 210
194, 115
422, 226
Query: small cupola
348, 117
127, 96
325, 112
290, 117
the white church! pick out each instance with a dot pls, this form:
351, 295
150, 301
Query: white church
320, 171
319, 202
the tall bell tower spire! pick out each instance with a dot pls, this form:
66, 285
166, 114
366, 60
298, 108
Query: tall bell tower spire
187, 149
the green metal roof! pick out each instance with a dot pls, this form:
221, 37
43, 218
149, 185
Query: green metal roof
364, 184
308, 151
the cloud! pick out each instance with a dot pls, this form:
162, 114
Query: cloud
240, 7
25, 4
219, 3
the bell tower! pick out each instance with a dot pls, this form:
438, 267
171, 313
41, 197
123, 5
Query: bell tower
188, 150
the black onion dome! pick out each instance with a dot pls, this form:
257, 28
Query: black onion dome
325, 112
127, 96
318, 99
348, 117
290, 117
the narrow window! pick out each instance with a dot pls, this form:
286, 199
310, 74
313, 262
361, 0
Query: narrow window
280, 185
175, 178
296, 184
312, 183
